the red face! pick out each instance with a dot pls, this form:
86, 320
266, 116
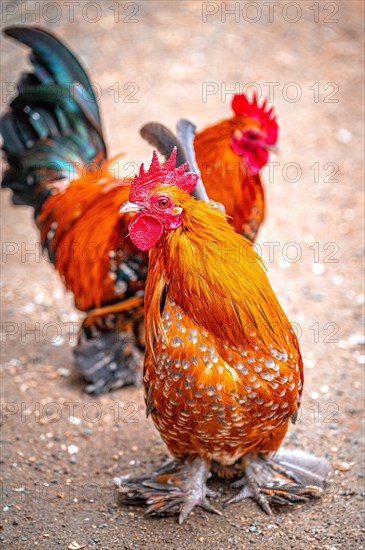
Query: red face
250, 144
155, 214
162, 206
256, 133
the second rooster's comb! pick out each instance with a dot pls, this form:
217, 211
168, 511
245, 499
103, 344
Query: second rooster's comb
242, 106
158, 174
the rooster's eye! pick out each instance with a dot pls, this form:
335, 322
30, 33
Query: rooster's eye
163, 203
251, 135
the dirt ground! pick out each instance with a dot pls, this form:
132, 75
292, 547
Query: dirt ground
162, 60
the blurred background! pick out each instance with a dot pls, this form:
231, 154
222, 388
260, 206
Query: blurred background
163, 60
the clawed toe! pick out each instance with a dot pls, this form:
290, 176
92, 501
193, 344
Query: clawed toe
268, 482
176, 487
250, 490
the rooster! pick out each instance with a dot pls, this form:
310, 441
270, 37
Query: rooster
230, 155
223, 372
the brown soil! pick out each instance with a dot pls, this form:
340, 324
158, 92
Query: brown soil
58, 463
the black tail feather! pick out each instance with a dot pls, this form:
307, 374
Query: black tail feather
53, 123
52, 60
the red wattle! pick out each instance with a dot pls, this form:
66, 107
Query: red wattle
256, 160
145, 231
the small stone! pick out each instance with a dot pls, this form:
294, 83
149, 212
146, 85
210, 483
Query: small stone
357, 340
344, 135
64, 372
283, 263
39, 298
318, 268
309, 363
75, 546
58, 341
28, 308
343, 466
58, 293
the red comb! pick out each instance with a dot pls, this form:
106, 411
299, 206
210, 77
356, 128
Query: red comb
157, 174
242, 106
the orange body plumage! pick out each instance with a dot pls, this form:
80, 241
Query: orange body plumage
223, 370
81, 226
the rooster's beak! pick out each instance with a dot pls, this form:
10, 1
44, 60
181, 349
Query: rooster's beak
272, 148
129, 207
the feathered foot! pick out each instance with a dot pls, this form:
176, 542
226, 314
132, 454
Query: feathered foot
286, 478
108, 360
176, 487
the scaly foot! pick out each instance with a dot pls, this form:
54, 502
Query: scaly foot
286, 478
176, 487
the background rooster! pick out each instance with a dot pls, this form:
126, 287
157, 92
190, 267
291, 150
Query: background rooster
230, 155
223, 371
54, 145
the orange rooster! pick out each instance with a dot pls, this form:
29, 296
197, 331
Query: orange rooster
230, 155
223, 372
54, 144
